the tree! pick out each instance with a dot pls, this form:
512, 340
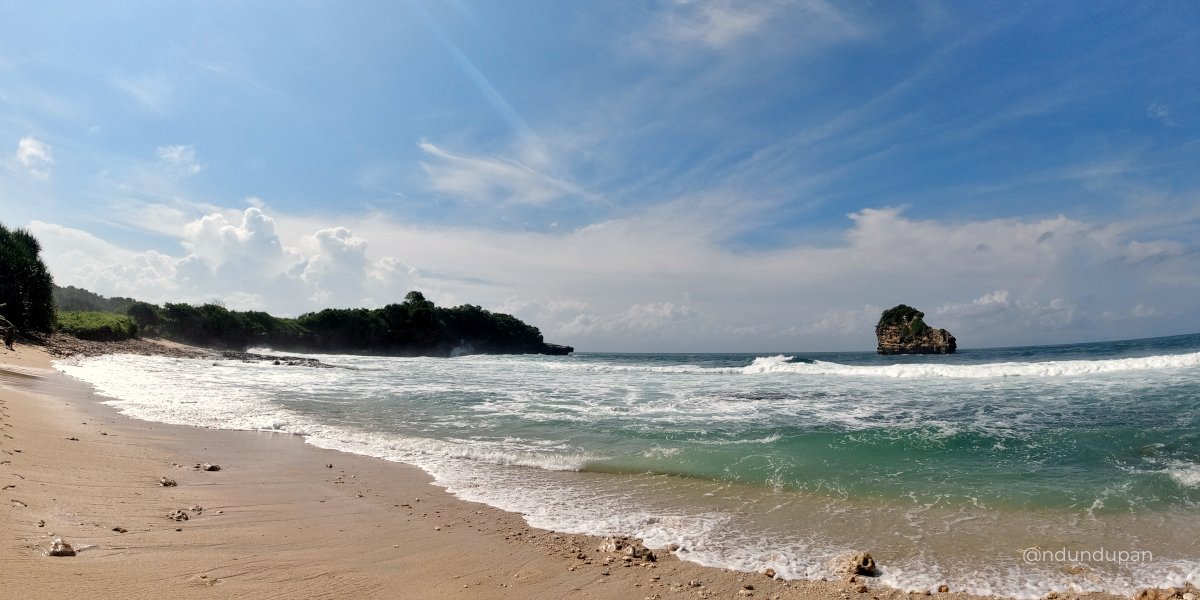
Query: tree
26, 287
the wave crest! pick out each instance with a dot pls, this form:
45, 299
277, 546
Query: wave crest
1062, 368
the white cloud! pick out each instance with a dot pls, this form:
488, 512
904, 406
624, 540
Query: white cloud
35, 157
491, 179
242, 263
182, 159
1142, 311
152, 92
338, 270
721, 25
661, 279
1161, 112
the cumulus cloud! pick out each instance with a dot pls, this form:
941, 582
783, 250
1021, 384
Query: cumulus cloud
997, 315
242, 263
181, 159
337, 272
35, 157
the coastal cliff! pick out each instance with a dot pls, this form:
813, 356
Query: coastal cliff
902, 330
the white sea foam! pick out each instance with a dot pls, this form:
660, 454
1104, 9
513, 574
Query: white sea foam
1061, 368
1186, 473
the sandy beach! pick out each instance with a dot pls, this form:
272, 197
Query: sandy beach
282, 519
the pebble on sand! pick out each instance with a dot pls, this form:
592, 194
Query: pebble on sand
166, 482
60, 548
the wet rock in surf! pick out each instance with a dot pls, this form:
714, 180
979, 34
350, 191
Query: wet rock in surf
638, 551
862, 563
60, 548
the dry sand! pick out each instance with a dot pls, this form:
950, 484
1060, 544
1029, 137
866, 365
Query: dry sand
276, 521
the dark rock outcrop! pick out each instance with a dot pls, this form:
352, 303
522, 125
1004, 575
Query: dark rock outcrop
556, 349
902, 330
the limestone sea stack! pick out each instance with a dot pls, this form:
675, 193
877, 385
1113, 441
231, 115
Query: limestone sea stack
902, 330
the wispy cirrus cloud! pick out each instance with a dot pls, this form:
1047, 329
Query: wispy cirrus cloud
722, 24
181, 159
492, 179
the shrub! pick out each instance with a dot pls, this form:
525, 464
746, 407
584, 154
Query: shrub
899, 314
97, 326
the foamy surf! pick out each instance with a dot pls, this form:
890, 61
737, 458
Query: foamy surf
1062, 368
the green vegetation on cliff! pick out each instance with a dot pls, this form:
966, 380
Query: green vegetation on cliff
71, 298
415, 327
97, 326
899, 315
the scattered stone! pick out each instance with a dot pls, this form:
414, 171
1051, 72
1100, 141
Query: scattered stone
745, 592
120, 529
769, 572
210, 467
60, 548
860, 588
637, 550
1189, 596
862, 564
197, 509
41, 523
693, 583
942, 589
672, 547
748, 586
178, 529
178, 515
329, 466
613, 544
72, 439
166, 482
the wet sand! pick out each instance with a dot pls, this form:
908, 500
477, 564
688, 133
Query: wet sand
282, 519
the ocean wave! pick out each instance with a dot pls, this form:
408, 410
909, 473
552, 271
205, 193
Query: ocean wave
1061, 368
1185, 473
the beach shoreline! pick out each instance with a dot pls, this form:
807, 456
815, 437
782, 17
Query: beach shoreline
285, 518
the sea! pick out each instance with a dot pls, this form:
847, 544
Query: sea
1009, 471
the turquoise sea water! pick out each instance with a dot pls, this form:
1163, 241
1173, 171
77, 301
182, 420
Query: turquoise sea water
947, 468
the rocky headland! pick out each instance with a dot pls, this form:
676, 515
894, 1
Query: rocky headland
902, 330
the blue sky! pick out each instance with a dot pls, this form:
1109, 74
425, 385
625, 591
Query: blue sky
699, 175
